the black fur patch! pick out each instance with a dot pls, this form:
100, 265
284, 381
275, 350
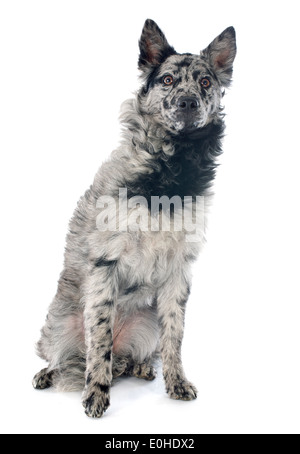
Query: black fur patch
152, 79
203, 93
90, 400
101, 321
103, 262
107, 356
189, 172
166, 104
182, 303
196, 75
103, 388
89, 379
132, 289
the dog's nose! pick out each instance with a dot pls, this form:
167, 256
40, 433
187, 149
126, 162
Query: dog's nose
187, 104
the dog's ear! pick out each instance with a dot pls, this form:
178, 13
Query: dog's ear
221, 54
154, 48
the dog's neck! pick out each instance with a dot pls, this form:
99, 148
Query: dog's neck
183, 165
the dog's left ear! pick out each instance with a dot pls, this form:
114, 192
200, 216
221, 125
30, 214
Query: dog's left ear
221, 54
154, 47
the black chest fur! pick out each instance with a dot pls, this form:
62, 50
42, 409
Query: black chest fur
190, 171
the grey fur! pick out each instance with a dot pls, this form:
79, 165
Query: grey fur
121, 296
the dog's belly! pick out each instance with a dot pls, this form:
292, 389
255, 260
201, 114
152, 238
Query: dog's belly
135, 333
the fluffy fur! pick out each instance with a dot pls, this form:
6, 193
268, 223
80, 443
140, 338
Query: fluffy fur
122, 295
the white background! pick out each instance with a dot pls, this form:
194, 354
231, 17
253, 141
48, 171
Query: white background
66, 66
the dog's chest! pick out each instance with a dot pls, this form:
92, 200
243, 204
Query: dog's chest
152, 257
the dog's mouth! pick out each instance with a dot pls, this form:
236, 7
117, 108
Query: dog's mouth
186, 125
190, 126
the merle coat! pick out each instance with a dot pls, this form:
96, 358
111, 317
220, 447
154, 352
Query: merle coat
122, 294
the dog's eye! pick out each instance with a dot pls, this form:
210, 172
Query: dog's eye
168, 80
205, 82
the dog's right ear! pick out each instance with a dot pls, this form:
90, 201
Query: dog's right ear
154, 48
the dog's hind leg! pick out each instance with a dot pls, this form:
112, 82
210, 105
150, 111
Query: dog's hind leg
62, 339
43, 379
129, 367
120, 366
144, 370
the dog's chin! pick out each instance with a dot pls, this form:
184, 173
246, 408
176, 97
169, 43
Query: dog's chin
194, 132
183, 128
191, 128
187, 129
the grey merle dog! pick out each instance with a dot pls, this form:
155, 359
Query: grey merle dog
122, 295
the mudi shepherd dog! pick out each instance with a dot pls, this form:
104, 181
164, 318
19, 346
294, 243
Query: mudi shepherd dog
122, 295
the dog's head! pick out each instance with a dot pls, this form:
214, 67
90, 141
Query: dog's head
183, 92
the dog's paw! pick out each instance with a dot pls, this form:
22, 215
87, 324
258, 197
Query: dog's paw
144, 371
43, 379
182, 390
95, 400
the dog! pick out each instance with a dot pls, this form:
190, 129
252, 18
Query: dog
122, 294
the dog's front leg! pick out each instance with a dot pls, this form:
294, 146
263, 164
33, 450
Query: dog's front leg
100, 296
171, 304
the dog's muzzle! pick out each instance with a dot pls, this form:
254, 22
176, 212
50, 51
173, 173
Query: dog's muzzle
188, 111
